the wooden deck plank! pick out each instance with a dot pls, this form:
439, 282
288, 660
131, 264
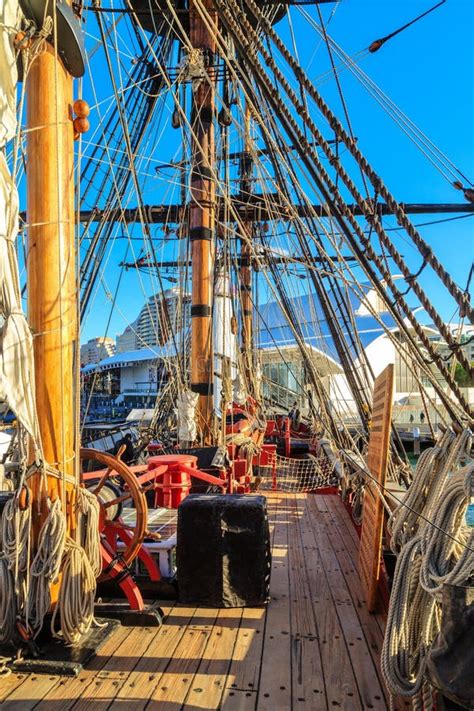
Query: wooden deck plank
26, 696
211, 677
374, 633
307, 669
339, 679
67, 689
10, 683
106, 684
294, 654
178, 678
244, 671
368, 683
347, 557
238, 700
275, 677
55, 690
142, 682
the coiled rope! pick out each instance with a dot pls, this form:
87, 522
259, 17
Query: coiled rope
436, 548
88, 523
75, 606
46, 565
7, 601
447, 561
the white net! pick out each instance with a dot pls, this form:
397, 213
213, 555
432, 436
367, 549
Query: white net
297, 475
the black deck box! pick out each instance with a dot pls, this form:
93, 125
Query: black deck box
223, 551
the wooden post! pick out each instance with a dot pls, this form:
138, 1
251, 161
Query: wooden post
51, 263
245, 258
202, 223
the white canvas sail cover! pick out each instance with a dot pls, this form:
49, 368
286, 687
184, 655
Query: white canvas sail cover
186, 404
16, 343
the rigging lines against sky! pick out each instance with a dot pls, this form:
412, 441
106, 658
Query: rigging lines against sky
393, 67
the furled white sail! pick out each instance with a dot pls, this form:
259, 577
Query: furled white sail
16, 343
186, 404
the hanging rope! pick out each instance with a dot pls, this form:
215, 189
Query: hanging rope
46, 565
75, 607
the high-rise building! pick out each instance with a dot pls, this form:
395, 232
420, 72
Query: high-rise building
161, 315
97, 349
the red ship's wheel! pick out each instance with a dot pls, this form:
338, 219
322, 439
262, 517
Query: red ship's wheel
113, 486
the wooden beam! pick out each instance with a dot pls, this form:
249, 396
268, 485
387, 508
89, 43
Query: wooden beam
171, 214
370, 549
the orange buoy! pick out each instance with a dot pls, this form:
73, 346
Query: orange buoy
81, 124
81, 108
76, 135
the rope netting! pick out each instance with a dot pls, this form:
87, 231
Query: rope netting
296, 475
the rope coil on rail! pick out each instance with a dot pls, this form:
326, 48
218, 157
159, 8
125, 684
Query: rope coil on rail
436, 548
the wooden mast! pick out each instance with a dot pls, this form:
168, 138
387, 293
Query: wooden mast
246, 258
202, 221
51, 264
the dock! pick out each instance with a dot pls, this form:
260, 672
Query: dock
315, 646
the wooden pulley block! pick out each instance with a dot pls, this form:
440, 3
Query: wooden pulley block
175, 119
24, 498
22, 41
224, 117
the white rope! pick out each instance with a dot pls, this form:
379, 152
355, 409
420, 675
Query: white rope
436, 548
447, 561
46, 565
75, 606
405, 520
7, 602
409, 628
88, 524
15, 542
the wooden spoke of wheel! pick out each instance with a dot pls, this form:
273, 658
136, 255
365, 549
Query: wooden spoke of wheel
118, 500
134, 492
102, 481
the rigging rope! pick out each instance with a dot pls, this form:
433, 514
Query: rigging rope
341, 211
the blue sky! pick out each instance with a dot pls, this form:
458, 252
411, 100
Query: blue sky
426, 70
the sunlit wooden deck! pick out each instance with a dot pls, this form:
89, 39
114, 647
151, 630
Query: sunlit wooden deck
314, 647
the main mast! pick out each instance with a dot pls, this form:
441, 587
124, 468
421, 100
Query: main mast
51, 263
246, 258
202, 212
